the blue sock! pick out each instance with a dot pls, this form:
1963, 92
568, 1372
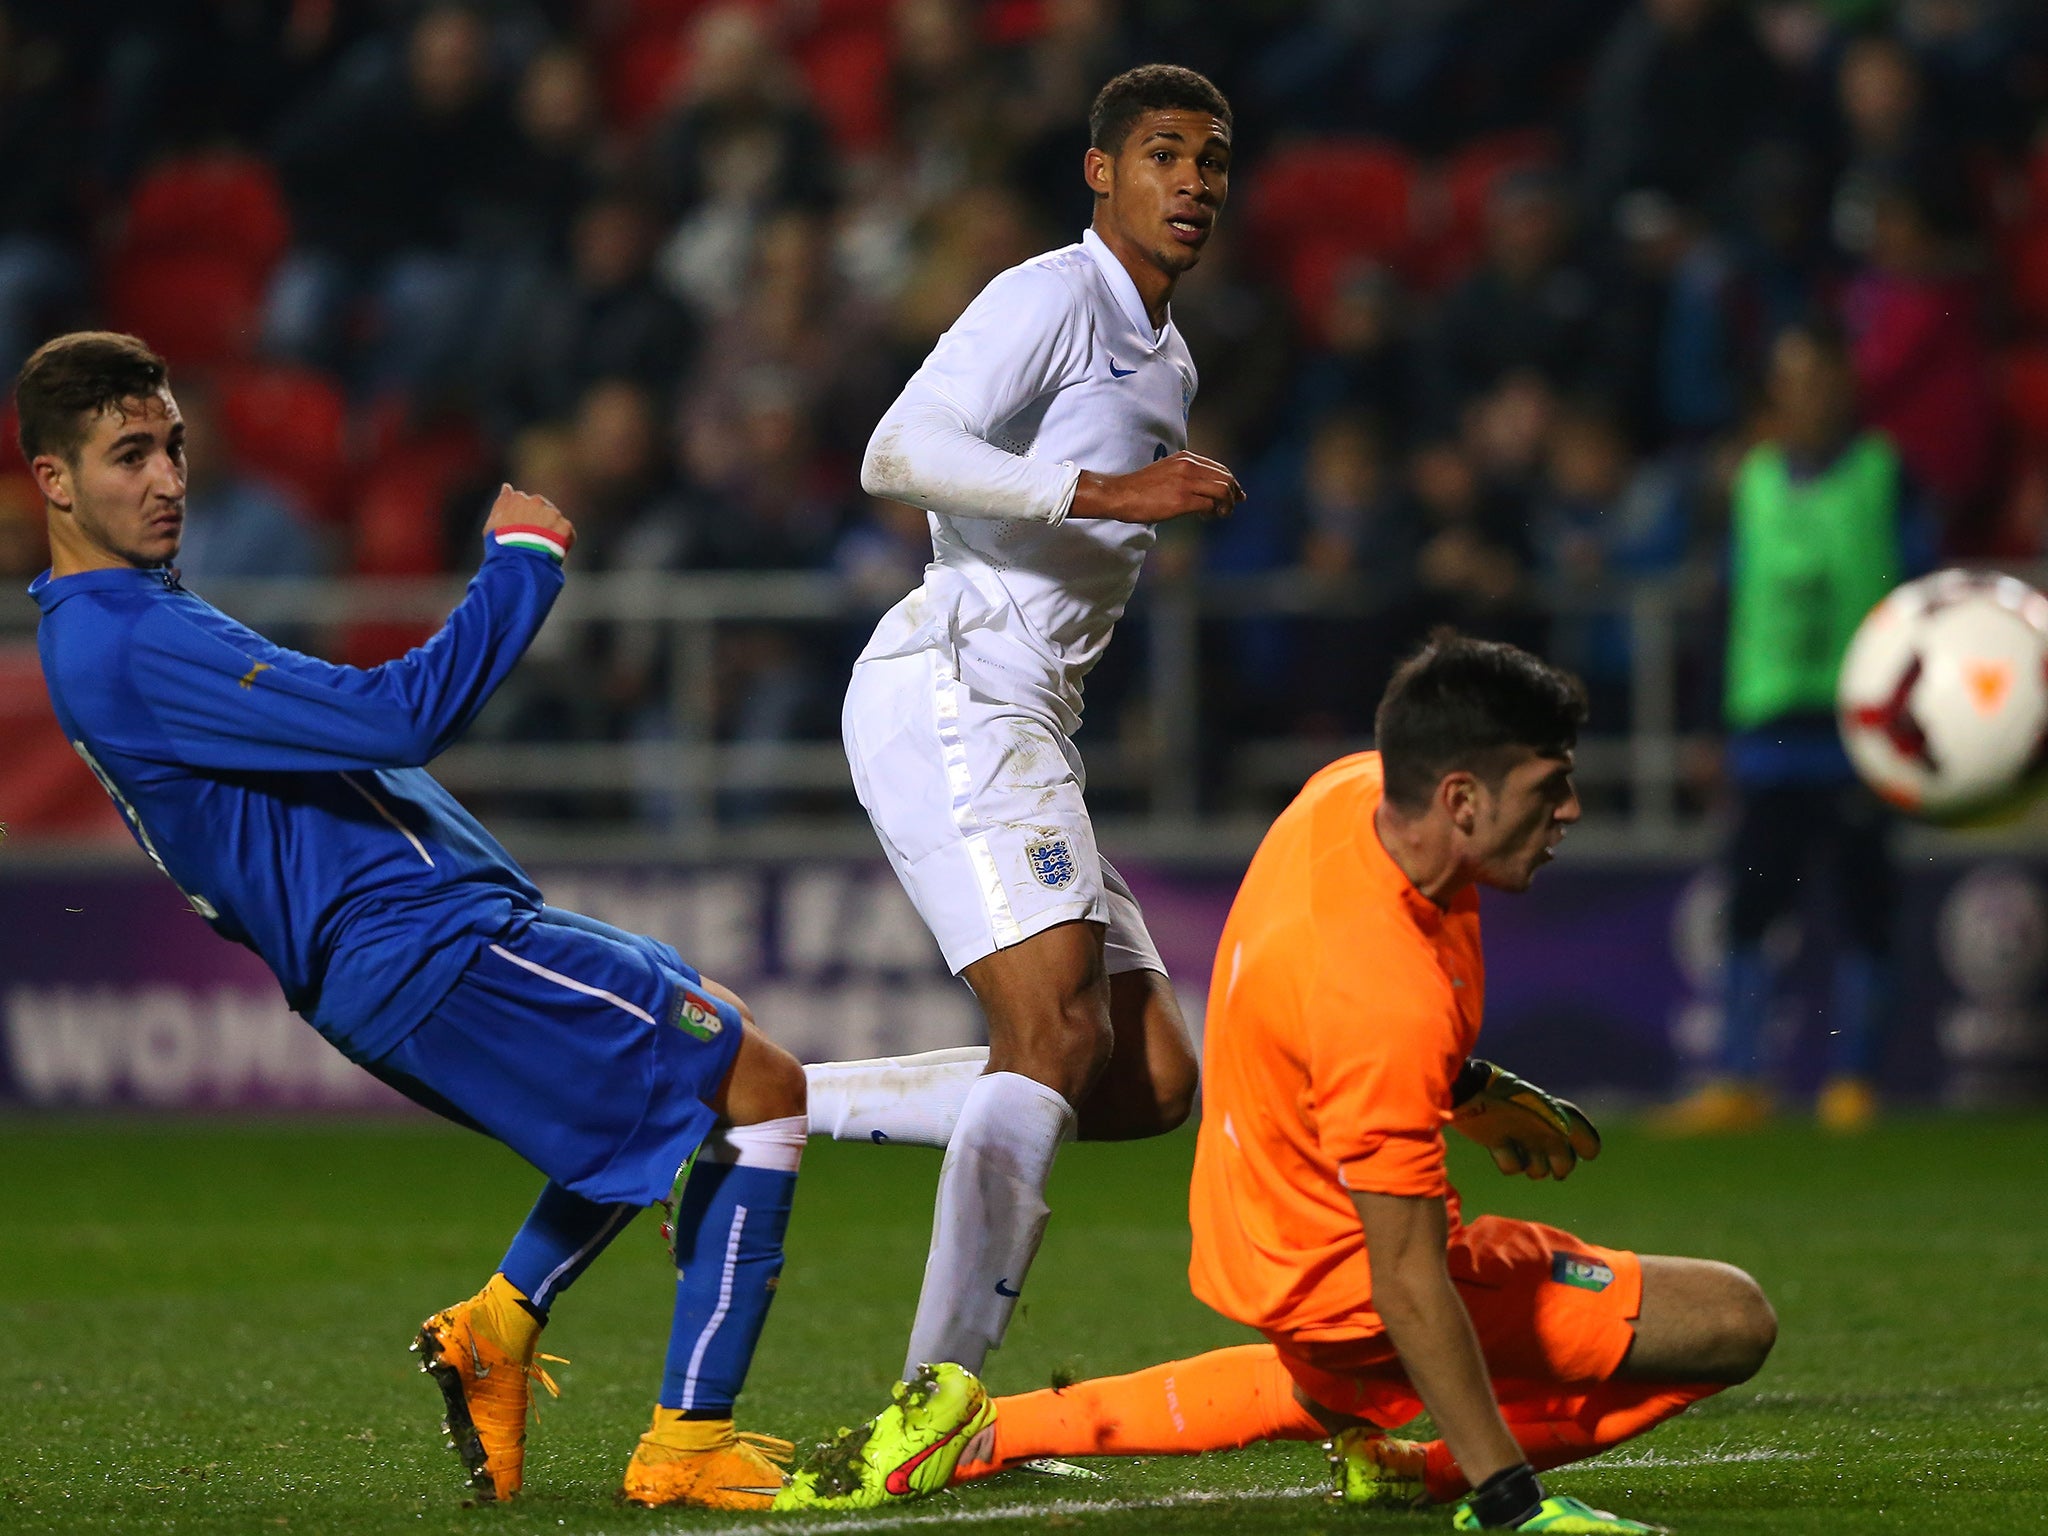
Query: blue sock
1861, 985
563, 1233
728, 1243
1746, 1009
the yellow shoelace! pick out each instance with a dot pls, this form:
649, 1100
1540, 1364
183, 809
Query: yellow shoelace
535, 1371
781, 1452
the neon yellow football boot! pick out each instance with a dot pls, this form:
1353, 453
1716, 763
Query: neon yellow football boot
1559, 1516
705, 1464
906, 1451
481, 1355
1375, 1470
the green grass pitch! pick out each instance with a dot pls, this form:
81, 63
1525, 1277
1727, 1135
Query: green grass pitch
203, 1329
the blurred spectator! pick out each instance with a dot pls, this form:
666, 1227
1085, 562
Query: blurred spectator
764, 500
622, 481
963, 243
1352, 523
1891, 144
557, 160
237, 525
393, 175
800, 322
1469, 568
24, 545
944, 97
604, 318
1922, 373
884, 553
1366, 359
1058, 73
1529, 306
42, 172
1670, 349
1678, 96
1820, 507
1223, 313
741, 143
1601, 516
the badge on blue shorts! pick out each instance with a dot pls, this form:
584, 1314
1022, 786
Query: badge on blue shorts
695, 1014
1052, 862
1580, 1272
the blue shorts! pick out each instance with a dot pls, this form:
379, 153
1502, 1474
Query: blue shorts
589, 1051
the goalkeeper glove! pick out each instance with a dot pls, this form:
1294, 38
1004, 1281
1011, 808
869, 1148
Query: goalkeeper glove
1513, 1500
1527, 1130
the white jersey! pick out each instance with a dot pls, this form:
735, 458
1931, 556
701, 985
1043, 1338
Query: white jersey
1054, 369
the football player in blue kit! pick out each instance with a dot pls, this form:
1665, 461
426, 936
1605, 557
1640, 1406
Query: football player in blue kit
286, 798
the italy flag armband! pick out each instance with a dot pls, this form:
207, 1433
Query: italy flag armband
541, 541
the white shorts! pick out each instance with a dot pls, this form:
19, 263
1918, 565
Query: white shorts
979, 806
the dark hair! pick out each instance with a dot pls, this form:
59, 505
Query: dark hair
69, 380
1465, 704
1150, 88
1823, 330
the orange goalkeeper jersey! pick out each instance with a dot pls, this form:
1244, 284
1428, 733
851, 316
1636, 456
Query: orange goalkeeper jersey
1343, 1005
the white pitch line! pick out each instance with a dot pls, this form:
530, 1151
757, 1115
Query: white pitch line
1658, 1461
953, 1513
975, 1514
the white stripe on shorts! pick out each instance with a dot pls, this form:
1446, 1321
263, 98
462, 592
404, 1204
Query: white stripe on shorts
995, 900
573, 984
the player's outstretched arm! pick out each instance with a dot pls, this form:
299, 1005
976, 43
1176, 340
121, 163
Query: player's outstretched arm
228, 699
1180, 485
1432, 1332
1524, 1128
1407, 1237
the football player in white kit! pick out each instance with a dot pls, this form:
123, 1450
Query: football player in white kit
1045, 435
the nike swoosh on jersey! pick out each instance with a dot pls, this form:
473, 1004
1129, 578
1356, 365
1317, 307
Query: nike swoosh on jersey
1119, 373
1001, 1290
898, 1481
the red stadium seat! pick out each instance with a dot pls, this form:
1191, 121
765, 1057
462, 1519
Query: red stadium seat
1319, 205
2026, 260
848, 71
646, 54
47, 789
199, 309
398, 531
2024, 377
291, 425
224, 205
1466, 184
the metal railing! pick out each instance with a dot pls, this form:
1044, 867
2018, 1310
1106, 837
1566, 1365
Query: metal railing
1166, 804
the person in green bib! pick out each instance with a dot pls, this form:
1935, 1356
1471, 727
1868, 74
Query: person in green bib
1823, 519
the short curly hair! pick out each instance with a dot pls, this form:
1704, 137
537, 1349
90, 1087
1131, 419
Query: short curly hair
69, 380
1150, 88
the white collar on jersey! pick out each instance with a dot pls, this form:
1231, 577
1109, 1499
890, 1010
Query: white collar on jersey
1121, 285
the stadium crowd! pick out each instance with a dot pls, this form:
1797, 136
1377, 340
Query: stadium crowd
1486, 321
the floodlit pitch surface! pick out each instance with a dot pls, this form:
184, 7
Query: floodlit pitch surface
203, 1329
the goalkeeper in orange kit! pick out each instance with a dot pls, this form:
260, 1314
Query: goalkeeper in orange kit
1343, 1012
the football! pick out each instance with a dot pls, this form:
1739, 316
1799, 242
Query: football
1943, 695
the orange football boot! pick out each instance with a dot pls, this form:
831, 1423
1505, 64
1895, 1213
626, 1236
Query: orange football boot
705, 1464
485, 1385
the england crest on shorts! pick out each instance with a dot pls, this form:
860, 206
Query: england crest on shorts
1052, 862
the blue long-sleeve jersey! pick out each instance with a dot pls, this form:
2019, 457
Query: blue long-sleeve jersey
284, 795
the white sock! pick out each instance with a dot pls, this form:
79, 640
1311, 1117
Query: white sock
914, 1100
990, 1215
